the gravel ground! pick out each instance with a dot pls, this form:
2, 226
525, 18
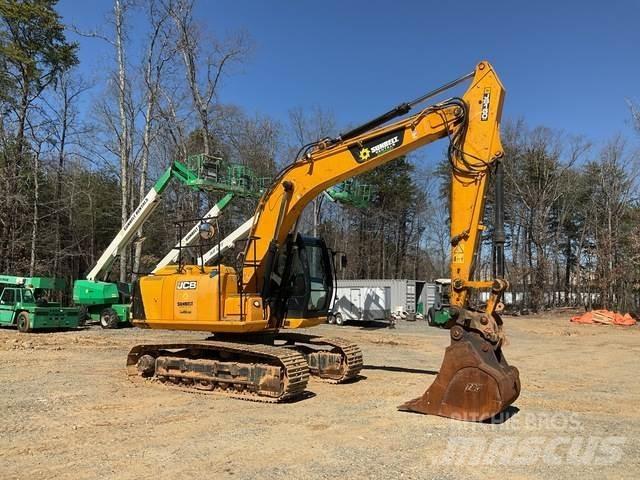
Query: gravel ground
69, 412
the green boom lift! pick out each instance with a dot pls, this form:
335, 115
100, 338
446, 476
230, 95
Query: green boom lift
351, 192
108, 302
24, 303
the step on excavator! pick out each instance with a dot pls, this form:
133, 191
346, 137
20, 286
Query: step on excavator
286, 280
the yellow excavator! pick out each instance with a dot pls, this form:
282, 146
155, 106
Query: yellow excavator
287, 280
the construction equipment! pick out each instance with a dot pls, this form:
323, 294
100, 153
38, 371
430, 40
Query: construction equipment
438, 314
109, 302
287, 280
351, 192
24, 303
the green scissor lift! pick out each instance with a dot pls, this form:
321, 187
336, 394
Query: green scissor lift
24, 303
108, 302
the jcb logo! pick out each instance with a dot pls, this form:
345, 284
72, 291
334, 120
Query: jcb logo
187, 285
486, 100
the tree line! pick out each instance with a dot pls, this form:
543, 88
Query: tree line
77, 156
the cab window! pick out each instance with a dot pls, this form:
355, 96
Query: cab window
298, 282
319, 279
8, 297
27, 296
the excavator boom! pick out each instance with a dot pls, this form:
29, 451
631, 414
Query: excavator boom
475, 382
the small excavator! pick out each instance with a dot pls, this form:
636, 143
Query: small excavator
286, 280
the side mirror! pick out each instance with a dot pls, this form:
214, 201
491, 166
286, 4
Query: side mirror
206, 230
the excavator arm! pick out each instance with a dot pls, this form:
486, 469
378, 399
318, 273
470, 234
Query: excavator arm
472, 125
475, 381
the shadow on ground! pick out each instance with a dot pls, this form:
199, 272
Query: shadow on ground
503, 416
400, 369
374, 325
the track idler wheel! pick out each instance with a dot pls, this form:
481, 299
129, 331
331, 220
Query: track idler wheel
475, 382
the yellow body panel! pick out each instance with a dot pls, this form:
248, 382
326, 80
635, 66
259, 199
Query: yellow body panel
190, 301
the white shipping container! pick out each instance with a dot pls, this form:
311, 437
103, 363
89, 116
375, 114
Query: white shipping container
362, 303
376, 299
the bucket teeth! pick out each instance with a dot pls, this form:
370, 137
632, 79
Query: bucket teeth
474, 384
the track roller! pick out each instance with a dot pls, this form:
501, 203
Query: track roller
246, 371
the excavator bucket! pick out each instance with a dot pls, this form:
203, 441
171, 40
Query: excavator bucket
474, 384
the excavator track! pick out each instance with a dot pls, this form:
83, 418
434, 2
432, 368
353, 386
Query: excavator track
254, 372
332, 360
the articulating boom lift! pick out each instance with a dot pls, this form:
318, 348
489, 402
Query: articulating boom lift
287, 280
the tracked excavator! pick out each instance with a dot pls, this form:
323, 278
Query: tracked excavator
286, 280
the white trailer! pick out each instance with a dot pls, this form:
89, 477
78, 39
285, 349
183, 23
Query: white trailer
375, 300
355, 303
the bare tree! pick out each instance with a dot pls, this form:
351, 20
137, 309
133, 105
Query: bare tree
64, 130
125, 139
157, 56
123, 128
635, 114
310, 126
36, 203
204, 61
610, 197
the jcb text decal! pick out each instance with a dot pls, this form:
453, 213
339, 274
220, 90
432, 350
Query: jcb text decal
486, 100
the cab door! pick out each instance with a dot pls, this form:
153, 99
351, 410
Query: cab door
7, 306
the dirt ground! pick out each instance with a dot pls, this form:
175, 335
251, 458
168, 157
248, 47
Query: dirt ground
68, 411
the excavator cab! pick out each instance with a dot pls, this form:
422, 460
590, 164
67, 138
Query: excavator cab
301, 283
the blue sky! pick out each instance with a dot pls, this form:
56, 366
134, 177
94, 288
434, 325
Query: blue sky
568, 65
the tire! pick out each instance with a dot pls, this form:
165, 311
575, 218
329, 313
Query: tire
331, 319
83, 316
109, 318
23, 322
339, 320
